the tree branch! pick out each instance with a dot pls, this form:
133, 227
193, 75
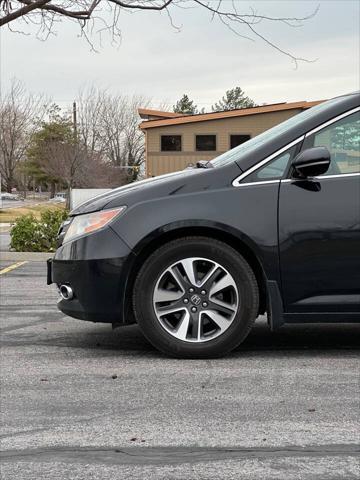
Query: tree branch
142, 7
89, 14
21, 12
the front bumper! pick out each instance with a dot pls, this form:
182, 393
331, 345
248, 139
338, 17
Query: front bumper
99, 284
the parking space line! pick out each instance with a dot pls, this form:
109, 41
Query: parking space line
12, 267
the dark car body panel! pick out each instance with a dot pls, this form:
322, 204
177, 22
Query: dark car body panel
99, 288
97, 268
226, 209
320, 244
293, 228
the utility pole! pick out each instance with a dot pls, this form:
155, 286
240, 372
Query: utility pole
69, 193
74, 121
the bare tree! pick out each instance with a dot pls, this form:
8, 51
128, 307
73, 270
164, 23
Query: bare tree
112, 128
65, 161
133, 137
20, 113
70, 163
90, 105
108, 125
104, 16
78, 168
101, 174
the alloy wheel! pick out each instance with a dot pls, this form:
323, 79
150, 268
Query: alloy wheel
195, 299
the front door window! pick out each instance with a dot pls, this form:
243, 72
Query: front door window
342, 139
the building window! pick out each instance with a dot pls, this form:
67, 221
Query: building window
205, 143
171, 143
236, 140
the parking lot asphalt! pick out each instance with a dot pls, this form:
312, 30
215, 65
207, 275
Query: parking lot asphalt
4, 239
80, 401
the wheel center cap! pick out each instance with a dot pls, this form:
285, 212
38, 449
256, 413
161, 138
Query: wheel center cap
195, 299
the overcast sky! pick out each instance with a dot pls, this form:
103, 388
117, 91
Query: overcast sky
204, 59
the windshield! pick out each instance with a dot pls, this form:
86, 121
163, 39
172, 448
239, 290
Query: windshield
251, 145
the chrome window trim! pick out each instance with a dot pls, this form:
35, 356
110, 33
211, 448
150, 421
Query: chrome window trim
333, 120
320, 177
338, 175
236, 182
259, 183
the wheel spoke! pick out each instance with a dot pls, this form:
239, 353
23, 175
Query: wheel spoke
209, 275
188, 265
183, 328
167, 309
220, 321
174, 271
225, 282
222, 307
162, 295
199, 328
196, 327
210, 278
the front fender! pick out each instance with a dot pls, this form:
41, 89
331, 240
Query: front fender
196, 226
249, 215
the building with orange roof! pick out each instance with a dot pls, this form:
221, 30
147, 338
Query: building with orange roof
173, 140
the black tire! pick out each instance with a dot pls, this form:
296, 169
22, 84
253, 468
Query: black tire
224, 255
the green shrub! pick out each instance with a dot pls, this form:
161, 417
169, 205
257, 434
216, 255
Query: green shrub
32, 235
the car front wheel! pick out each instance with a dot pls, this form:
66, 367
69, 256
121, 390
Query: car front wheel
195, 297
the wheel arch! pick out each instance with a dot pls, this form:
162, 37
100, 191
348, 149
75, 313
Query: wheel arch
241, 243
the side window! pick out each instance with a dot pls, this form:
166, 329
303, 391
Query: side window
171, 143
342, 139
274, 170
205, 143
236, 140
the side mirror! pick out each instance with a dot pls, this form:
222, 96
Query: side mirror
311, 162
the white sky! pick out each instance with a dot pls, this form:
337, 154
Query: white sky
203, 60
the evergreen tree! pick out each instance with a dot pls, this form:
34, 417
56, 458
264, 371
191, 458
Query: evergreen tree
58, 129
233, 99
185, 106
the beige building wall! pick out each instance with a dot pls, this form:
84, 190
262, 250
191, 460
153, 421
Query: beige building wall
158, 163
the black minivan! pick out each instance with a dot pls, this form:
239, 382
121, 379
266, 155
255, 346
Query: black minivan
194, 257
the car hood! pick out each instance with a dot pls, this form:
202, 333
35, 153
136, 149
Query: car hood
170, 184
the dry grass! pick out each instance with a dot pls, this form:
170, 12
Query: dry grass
9, 215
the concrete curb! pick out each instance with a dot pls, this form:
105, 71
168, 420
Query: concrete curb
25, 256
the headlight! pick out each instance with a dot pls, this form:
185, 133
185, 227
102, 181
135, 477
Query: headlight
91, 222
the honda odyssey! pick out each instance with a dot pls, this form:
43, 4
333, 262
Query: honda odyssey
194, 257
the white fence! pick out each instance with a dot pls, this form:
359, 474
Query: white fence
81, 195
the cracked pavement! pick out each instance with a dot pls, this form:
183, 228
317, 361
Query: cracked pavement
79, 400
